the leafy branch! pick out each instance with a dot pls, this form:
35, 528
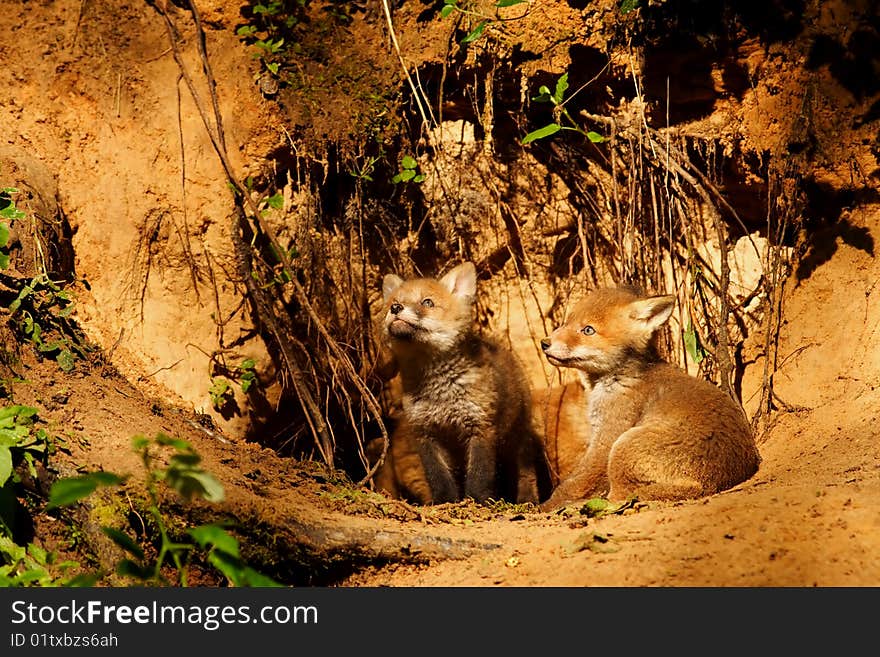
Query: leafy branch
409, 171
9, 213
455, 6
184, 475
562, 119
22, 442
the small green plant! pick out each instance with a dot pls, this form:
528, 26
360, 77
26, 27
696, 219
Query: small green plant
20, 441
31, 565
596, 507
692, 343
409, 171
365, 172
274, 202
184, 475
43, 308
560, 114
248, 376
9, 213
269, 31
456, 6
343, 10
221, 388
220, 392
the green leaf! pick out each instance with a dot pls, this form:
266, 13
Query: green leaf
419, 178
128, 568
214, 536
692, 343
29, 459
544, 95
276, 201
18, 412
561, 88
408, 162
11, 437
595, 137
627, 6
508, 3
38, 554
189, 460
82, 580
65, 492
239, 573
176, 443
447, 9
595, 506
396, 179
193, 481
4, 235
139, 442
230, 566
11, 213
65, 360
124, 541
5, 464
247, 380
407, 175
476, 33
540, 133
247, 364
251, 577
220, 392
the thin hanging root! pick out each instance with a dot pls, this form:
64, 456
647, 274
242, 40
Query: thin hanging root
631, 133
242, 221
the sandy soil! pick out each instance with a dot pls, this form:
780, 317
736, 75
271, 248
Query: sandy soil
96, 99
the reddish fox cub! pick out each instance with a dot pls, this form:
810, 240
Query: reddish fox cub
466, 402
656, 432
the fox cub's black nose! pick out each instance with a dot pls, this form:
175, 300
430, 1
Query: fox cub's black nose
545, 344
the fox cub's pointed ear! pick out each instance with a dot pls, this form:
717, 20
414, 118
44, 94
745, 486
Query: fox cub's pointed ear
462, 280
653, 311
389, 284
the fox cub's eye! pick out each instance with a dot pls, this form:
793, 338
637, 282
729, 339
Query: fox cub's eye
588, 330
427, 303
396, 308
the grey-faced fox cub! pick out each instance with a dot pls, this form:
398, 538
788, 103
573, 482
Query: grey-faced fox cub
656, 432
466, 402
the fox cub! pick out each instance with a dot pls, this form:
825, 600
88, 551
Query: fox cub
656, 432
466, 402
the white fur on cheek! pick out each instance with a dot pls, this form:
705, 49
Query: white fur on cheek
442, 334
